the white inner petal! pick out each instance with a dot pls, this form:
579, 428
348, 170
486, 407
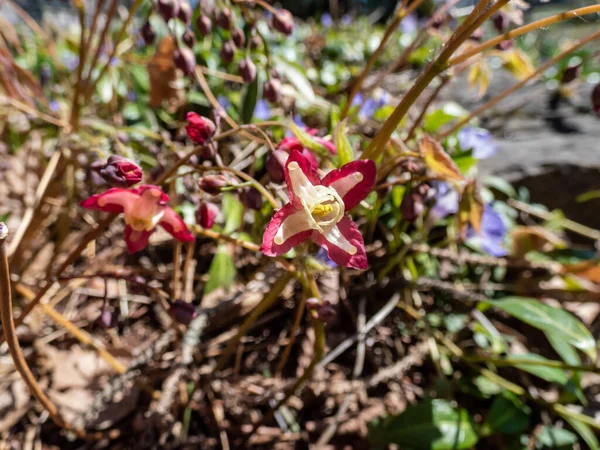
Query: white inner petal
294, 224
343, 185
335, 236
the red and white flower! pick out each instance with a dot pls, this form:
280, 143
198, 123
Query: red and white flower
317, 210
144, 207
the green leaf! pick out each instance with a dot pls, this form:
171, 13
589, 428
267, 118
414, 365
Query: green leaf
342, 144
232, 211
558, 322
507, 416
553, 437
550, 374
440, 117
297, 78
249, 101
584, 430
308, 141
429, 425
221, 273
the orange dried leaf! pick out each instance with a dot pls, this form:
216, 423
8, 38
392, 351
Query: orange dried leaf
438, 161
470, 209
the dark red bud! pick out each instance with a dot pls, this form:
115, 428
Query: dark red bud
272, 90
275, 164
120, 172
250, 198
185, 60
185, 12
206, 215
225, 19
275, 73
412, 206
238, 37
312, 303
505, 45
182, 312
326, 312
189, 38
168, 8
570, 74
148, 33
501, 22
283, 21
199, 129
227, 51
204, 25
596, 99
247, 70
212, 184
477, 35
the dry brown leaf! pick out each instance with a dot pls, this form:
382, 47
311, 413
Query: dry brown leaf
14, 403
438, 160
526, 239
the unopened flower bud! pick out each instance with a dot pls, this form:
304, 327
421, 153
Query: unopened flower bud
275, 164
247, 70
570, 74
185, 12
238, 37
477, 35
148, 33
272, 90
283, 21
501, 22
505, 45
225, 18
168, 8
182, 312
250, 198
204, 25
227, 51
185, 60
108, 319
312, 303
189, 38
255, 42
212, 184
596, 99
199, 129
120, 172
412, 206
206, 215
326, 312
412, 165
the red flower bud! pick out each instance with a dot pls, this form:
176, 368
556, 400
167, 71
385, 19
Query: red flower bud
212, 184
204, 25
225, 18
505, 45
120, 172
250, 198
596, 99
272, 90
570, 74
189, 38
247, 70
168, 8
238, 37
199, 129
227, 51
326, 312
185, 12
185, 60
283, 21
501, 22
148, 33
182, 312
412, 206
206, 215
275, 164
255, 42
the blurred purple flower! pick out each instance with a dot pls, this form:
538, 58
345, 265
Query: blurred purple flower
224, 102
409, 24
131, 96
322, 257
369, 107
54, 106
70, 61
326, 20
479, 140
446, 201
262, 110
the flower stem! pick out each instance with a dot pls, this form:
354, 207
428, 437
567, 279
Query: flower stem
520, 84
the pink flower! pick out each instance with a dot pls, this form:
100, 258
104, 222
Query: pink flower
317, 211
292, 143
200, 129
144, 208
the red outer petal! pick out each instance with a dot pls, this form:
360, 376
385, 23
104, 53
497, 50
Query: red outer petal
176, 226
164, 198
306, 167
141, 239
92, 202
269, 247
355, 195
350, 231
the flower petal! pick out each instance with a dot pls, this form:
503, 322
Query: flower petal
136, 240
115, 200
344, 244
300, 178
290, 227
353, 181
176, 227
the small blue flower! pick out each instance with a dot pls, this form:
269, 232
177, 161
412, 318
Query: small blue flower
262, 110
346, 20
409, 24
326, 20
446, 201
131, 96
322, 257
54, 106
493, 232
479, 140
224, 102
369, 107
70, 61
